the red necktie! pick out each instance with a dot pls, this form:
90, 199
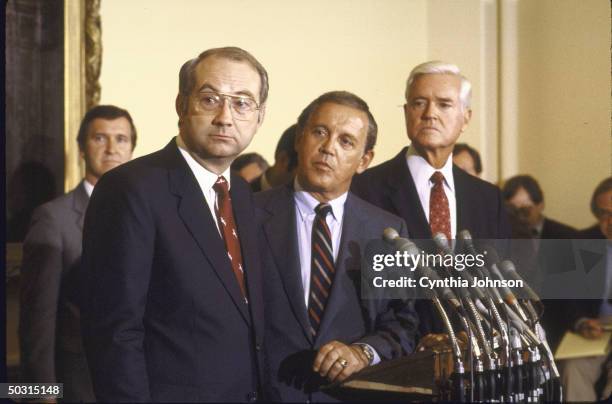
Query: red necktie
225, 218
321, 269
439, 212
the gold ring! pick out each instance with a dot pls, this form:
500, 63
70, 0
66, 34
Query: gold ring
343, 362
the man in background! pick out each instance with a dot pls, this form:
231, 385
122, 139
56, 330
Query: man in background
467, 158
285, 162
421, 184
250, 166
524, 194
49, 325
173, 304
319, 329
590, 379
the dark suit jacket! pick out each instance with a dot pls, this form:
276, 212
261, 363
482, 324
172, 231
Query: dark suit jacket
256, 183
479, 209
387, 325
551, 229
49, 324
163, 316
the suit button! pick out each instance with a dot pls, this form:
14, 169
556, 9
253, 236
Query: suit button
257, 347
252, 396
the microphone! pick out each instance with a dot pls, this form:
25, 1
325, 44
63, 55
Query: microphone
492, 259
508, 268
442, 243
391, 236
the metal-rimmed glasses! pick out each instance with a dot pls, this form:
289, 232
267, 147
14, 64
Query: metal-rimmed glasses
242, 107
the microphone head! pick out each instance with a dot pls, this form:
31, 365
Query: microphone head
390, 234
403, 244
491, 257
507, 266
465, 236
441, 241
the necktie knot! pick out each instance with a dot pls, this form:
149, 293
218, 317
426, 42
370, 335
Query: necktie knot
221, 187
323, 209
437, 177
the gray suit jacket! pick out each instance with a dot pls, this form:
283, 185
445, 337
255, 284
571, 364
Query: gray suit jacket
49, 324
387, 325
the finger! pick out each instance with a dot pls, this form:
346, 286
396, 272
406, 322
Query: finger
354, 365
322, 354
328, 362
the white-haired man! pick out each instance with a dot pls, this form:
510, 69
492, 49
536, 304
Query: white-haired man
421, 184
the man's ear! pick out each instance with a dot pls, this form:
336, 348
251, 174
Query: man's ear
467, 115
365, 161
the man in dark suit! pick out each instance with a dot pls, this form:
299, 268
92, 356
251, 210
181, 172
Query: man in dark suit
589, 379
172, 305
524, 194
49, 329
285, 161
318, 328
437, 111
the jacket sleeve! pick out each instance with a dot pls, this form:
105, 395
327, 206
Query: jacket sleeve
40, 282
395, 322
118, 240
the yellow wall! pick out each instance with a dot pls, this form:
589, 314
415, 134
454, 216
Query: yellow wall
564, 137
364, 46
540, 72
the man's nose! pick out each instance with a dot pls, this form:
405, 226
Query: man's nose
327, 145
223, 116
111, 146
430, 111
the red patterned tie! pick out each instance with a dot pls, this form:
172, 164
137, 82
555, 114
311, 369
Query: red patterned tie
439, 212
321, 269
225, 218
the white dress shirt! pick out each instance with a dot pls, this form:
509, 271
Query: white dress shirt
305, 205
206, 179
421, 173
88, 187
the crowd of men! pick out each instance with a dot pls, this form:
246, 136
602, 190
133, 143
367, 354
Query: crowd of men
170, 278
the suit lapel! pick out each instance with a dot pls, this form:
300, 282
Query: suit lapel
243, 214
281, 233
464, 219
352, 223
197, 218
405, 198
79, 204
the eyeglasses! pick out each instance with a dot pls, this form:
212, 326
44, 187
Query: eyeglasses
242, 107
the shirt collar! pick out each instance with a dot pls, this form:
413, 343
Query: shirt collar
421, 171
306, 203
206, 179
88, 187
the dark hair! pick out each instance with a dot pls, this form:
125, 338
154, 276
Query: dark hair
602, 188
286, 144
464, 147
108, 112
245, 159
341, 98
527, 182
186, 74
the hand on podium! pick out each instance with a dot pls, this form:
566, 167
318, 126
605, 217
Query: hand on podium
336, 361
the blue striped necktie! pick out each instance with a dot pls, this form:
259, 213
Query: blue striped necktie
322, 267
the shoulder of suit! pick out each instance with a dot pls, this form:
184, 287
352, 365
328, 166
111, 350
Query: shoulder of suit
473, 182
263, 198
372, 212
62, 202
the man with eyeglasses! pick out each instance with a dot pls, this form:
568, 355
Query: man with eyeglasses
172, 305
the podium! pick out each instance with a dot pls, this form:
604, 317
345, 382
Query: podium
421, 376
